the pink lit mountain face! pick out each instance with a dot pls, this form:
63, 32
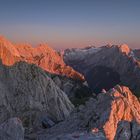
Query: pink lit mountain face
43, 56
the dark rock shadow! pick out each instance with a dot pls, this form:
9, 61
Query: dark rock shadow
101, 77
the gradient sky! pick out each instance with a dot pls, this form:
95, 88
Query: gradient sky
71, 23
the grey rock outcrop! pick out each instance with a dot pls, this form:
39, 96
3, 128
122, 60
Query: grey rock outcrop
28, 93
123, 131
101, 115
128, 131
12, 129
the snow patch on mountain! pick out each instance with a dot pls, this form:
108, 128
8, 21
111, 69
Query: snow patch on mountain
78, 53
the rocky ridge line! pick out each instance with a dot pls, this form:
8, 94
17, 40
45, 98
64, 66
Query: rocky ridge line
42, 55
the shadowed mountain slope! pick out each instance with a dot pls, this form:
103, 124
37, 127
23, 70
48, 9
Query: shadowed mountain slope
104, 64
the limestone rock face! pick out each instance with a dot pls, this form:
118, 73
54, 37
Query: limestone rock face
12, 129
103, 114
42, 55
128, 131
27, 92
107, 61
125, 106
123, 131
8, 53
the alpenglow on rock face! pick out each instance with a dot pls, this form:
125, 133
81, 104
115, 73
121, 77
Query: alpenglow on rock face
103, 116
27, 92
137, 54
106, 66
42, 55
124, 106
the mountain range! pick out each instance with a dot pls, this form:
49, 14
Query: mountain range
78, 94
106, 66
42, 55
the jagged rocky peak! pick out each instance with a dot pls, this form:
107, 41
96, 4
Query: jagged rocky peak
92, 49
124, 106
3, 40
125, 49
8, 53
116, 105
102, 116
25, 50
5, 44
42, 55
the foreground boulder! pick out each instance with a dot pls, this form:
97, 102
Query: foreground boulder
28, 93
102, 115
12, 129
